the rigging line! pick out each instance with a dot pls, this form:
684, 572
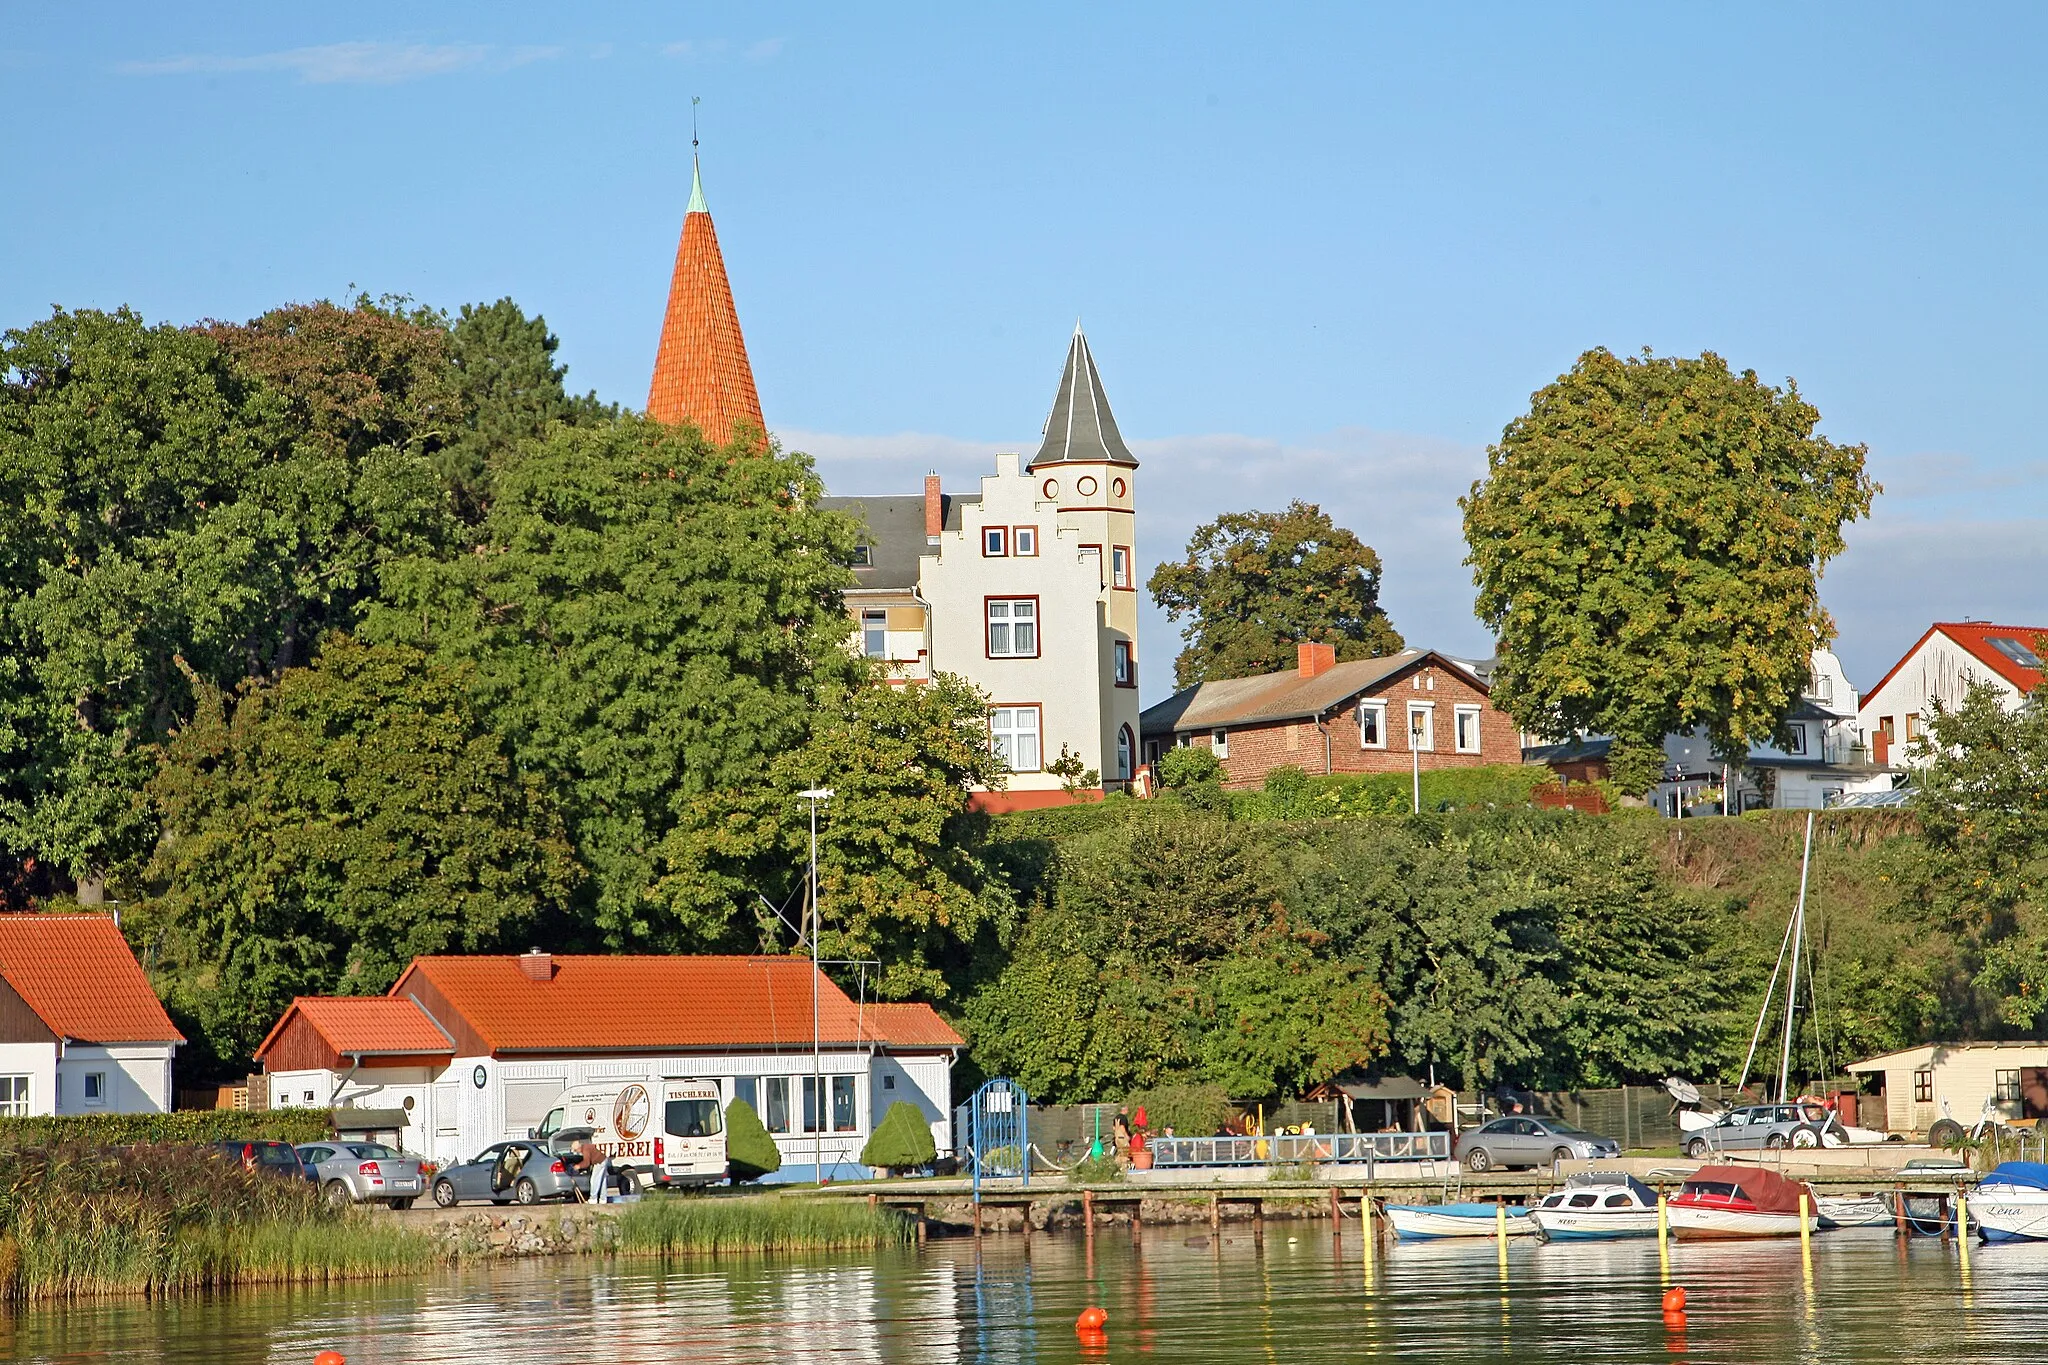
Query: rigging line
1756, 1035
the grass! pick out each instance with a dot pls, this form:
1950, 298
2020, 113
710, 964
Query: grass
767, 1223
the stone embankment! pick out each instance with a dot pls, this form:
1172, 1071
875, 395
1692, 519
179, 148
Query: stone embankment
488, 1232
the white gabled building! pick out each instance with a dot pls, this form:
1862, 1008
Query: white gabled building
81, 1030
466, 1051
1942, 666
1028, 588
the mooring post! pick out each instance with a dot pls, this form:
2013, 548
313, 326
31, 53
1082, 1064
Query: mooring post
977, 1220
1258, 1219
1088, 1211
874, 1201
1899, 1208
1336, 1208
1137, 1214
1215, 1215
923, 1222
1367, 1232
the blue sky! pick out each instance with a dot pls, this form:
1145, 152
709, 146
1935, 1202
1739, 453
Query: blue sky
1321, 252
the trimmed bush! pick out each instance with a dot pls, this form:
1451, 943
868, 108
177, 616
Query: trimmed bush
902, 1141
1189, 765
750, 1152
185, 1125
1190, 1110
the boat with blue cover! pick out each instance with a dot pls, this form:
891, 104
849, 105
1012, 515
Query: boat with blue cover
2011, 1203
1425, 1222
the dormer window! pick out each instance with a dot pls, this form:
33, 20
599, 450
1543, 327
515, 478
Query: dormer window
1820, 687
863, 556
995, 541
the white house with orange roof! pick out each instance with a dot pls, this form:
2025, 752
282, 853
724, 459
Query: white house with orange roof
474, 1050
81, 1030
1942, 666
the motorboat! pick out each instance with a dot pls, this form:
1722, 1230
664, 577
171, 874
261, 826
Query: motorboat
1596, 1205
1833, 1211
1739, 1201
1425, 1222
2011, 1203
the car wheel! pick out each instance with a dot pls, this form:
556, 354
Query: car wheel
337, 1195
1944, 1133
1558, 1158
444, 1194
1478, 1160
526, 1192
1774, 1141
1697, 1149
629, 1184
401, 1203
1805, 1137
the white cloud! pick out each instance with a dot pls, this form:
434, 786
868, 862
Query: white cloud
1913, 563
695, 49
364, 63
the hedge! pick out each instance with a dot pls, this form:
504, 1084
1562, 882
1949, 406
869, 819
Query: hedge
750, 1152
184, 1125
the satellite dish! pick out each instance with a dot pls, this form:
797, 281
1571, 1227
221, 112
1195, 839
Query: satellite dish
1685, 1092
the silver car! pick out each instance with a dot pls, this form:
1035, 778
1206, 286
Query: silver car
1530, 1140
364, 1173
527, 1170
1764, 1126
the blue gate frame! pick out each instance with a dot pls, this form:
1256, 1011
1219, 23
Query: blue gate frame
998, 1134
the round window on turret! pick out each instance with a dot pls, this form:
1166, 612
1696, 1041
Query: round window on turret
1119, 487
1051, 488
1085, 486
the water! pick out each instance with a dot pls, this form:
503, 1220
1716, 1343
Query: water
1171, 1295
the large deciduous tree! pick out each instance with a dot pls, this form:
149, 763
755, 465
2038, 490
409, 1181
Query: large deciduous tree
651, 618
322, 829
1647, 545
1256, 584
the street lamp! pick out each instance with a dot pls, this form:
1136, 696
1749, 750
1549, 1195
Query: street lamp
1415, 756
816, 796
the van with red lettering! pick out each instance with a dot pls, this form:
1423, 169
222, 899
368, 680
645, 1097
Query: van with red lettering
667, 1133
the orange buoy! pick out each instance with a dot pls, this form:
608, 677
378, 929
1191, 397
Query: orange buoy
1092, 1319
1674, 1299
330, 1358
1094, 1342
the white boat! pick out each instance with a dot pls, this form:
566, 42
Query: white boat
1852, 1211
2011, 1203
1738, 1201
1597, 1205
1423, 1222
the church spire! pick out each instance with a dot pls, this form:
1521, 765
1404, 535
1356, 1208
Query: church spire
1081, 428
701, 374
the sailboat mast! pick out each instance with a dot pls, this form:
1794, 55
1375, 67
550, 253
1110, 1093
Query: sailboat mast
1792, 983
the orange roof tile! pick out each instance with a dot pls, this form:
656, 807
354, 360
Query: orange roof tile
701, 374
80, 977
366, 1024
909, 1025
639, 1004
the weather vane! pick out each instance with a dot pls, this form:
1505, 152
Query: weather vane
695, 100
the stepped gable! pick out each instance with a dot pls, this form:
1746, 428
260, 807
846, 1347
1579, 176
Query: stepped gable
701, 373
1081, 429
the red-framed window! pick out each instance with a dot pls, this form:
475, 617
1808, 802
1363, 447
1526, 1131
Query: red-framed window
1013, 627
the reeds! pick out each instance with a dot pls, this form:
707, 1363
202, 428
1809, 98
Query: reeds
718, 1226
85, 1222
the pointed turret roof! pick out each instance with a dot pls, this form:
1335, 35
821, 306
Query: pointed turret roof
1081, 427
701, 374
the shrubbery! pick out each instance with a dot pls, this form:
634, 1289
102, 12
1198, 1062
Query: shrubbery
1190, 1110
902, 1141
750, 1152
185, 1125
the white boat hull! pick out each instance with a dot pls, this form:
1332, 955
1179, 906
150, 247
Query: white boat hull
1422, 1223
1575, 1225
2010, 1215
1865, 1211
1707, 1223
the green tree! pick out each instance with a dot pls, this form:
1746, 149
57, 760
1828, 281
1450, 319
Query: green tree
330, 826
168, 505
902, 1141
750, 1152
651, 619
900, 863
1647, 545
512, 390
1256, 584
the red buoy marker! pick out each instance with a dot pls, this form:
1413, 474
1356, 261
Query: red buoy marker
330, 1358
1092, 1319
1674, 1299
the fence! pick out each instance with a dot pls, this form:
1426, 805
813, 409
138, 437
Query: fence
1285, 1149
1636, 1116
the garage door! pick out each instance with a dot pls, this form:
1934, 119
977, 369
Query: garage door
527, 1101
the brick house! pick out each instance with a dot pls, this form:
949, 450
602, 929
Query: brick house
1330, 717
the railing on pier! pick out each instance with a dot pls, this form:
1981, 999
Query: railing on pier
1365, 1149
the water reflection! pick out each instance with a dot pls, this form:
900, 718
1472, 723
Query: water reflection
1170, 1296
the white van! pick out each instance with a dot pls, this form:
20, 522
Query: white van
668, 1133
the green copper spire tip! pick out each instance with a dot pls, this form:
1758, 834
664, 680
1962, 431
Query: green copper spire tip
697, 204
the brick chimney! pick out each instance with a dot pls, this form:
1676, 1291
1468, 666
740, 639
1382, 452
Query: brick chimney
537, 965
1314, 659
934, 509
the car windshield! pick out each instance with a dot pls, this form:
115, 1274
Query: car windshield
691, 1118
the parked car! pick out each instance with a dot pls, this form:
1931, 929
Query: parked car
1758, 1126
364, 1173
534, 1174
1529, 1140
261, 1154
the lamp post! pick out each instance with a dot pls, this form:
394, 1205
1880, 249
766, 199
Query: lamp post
816, 796
1415, 758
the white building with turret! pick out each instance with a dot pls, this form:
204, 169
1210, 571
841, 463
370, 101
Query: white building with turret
1028, 588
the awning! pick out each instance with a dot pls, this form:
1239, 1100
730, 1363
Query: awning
1769, 1191
347, 1120
1386, 1088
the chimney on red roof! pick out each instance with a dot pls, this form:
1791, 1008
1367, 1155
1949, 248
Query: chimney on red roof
1313, 658
537, 965
934, 508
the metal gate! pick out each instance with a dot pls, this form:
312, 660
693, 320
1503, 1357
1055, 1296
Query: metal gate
998, 1136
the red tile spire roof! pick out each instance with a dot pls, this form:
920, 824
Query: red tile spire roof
701, 374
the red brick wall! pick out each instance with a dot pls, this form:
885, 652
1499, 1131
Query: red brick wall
1257, 749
